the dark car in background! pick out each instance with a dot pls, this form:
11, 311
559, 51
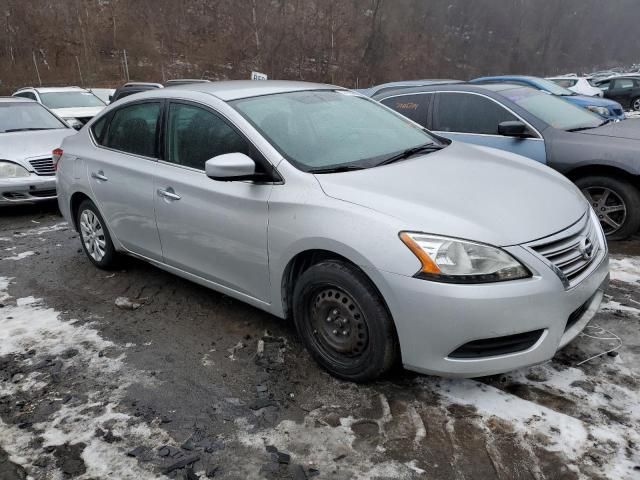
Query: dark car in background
600, 156
624, 90
377, 89
601, 106
130, 88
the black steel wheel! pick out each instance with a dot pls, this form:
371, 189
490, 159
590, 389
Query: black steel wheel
344, 322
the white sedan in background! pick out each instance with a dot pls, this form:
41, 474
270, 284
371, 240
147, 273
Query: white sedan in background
579, 85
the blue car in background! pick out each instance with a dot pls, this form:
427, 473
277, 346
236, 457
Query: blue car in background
605, 108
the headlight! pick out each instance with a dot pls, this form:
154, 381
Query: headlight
74, 123
452, 260
12, 170
602, 111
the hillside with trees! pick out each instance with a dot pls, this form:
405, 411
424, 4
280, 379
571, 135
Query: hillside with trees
346, 42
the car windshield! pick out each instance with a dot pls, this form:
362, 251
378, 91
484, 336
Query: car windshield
552, 87
323, 129
24, 116
554, 111
70, 99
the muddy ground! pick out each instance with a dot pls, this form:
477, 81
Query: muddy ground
140, 374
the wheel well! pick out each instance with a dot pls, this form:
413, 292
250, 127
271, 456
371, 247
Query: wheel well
603, 170
76, 199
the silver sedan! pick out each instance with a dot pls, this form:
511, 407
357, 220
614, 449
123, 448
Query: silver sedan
28, 135
383, 242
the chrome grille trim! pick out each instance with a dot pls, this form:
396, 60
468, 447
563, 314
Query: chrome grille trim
43, 166
573, 253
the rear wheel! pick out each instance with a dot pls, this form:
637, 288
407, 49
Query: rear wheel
635, 104
616, 202
95, 238
343, 321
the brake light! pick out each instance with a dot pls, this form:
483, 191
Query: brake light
56, 155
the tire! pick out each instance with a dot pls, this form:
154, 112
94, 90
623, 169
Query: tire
627, 195
635, 104
99, 247
343, 322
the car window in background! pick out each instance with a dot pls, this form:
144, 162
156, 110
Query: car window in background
469, 113
133, 129
552, 88
329, 128
27, 116
623, 83
70, 100
195, 135
29, 95
564, 82
415, 106
554, 111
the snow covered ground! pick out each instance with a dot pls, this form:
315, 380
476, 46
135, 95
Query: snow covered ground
66, 377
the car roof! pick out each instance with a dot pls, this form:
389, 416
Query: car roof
236, 89
452, 87
16, 100
54, 89
405, 83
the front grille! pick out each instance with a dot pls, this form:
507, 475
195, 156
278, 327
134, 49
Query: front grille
492, 347
573, 251
43, 193
14, 196
43, 166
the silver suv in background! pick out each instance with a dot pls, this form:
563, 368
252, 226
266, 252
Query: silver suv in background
381, 241
28, 135
73, 104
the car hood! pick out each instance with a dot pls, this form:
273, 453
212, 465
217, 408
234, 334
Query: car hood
466, 191
629, 129
595, 101
20, 146
79, 112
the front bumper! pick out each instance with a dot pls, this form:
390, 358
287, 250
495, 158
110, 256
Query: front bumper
31, 189
435, 319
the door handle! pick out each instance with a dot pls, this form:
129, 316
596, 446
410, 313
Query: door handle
99, 176
169, 194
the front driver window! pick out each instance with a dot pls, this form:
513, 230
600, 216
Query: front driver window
133, 129
196, 135
468, 113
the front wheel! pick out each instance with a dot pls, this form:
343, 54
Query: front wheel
96, 241
343, 322
616, 202
635, 104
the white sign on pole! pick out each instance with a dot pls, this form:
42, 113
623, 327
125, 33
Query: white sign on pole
258, 76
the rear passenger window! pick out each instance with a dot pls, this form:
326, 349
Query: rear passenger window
133, 129
195, 135
467, 113
415, 107
98, 130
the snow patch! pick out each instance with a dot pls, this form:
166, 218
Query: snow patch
20, 256
625, 269
42, 230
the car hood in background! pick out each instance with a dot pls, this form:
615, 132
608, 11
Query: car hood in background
629, 129
595, 101
79, 112
465, 191
19, 146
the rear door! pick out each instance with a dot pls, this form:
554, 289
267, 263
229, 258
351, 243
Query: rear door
213, 229
120, 169
474, 118
620, 91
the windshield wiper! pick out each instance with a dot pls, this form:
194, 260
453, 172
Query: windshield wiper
27, 129
410, 152
337, 169
580, 129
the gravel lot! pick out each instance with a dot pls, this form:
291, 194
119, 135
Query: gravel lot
138, 374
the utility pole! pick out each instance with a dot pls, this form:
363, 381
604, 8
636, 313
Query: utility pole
126, 65
79, 71
35, 64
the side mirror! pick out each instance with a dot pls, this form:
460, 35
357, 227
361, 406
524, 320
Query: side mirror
230, 166
513, 128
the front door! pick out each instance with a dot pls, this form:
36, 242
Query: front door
474, 118
120, 171
620, 90
215, 230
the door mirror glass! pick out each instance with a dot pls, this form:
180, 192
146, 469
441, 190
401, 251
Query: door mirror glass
513, 128
230, 166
